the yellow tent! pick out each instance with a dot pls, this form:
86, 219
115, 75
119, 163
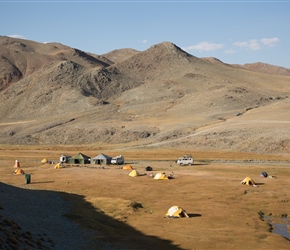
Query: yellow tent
248, 181
58, 165
19, 171
127, 167
160, 176
44, 160
134, 173
176, 212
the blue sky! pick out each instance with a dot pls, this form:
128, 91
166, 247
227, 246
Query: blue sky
232, 31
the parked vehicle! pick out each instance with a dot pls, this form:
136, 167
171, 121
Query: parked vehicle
118, 160
64, 158
185, 160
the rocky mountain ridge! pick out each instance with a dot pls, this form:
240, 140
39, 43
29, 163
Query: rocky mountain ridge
54, 94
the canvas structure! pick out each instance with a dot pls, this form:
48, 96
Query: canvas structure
264, 174
80, 159
127, 167
248, 181
19, 171
101, 159
58, 165
134, 173
176, 212
160, 176
16, 164
44, 161
148, 168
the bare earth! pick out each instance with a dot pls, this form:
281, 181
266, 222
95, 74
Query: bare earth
116, 211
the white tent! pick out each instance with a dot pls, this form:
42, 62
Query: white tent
101, 159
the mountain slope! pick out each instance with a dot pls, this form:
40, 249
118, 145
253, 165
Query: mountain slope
21, 58
119, 55
161, 96
266, 68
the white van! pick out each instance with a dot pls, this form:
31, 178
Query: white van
118, 160
185, 160
64, 158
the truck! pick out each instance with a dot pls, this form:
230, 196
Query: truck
117, 160
185, 160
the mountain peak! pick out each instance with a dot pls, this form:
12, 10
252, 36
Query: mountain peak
168, 47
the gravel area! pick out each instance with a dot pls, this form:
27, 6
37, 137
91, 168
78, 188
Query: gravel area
33, 219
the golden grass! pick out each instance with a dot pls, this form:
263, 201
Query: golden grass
211, 193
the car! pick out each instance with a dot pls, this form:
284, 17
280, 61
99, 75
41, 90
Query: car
185, 160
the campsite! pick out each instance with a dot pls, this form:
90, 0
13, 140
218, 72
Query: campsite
66, 114
124, 212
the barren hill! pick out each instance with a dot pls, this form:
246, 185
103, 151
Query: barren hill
163, 96
21, 58
119, 55
266, 68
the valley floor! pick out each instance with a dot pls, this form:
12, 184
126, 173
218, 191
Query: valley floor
116, 211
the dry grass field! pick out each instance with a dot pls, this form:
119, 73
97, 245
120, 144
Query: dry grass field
124, 212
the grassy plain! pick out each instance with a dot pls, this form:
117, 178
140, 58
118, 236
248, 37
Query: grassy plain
128, 212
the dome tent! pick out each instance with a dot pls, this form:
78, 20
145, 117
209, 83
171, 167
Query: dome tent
19, 171
160, 176
248, 181
134, 173
148, 168
127, 167
176, 212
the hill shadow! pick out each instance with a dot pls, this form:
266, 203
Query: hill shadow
52, 220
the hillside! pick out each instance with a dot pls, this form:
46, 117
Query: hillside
53, 94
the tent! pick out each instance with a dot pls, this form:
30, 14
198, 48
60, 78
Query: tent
248, 181
148, 168
176, 212
79, 159
160, 176
19, 171
264, 174
16, 164
134, 173
58, 165
101, 159
44, 161
127, 167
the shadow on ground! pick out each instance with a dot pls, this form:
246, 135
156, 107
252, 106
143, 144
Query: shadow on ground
193, 215
40, 219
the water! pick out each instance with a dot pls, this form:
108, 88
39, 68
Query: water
279, 224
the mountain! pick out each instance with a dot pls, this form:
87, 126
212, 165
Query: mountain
53, 94
266, 68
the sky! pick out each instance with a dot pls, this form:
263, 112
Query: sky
235, 32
